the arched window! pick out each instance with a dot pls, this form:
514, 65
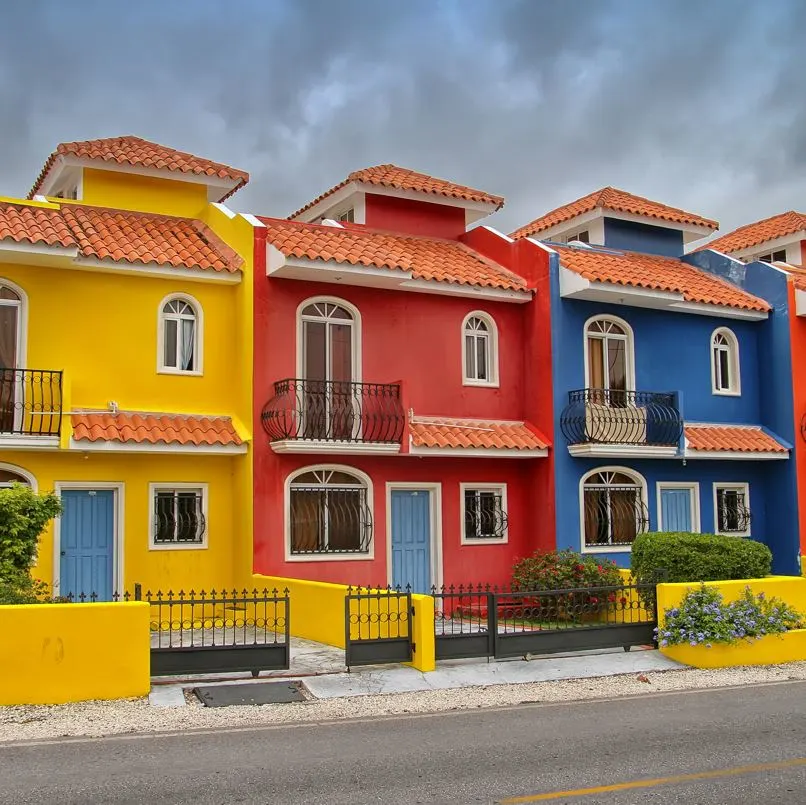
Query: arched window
9, 475
614, 508
479, 350
329, 512
725, 378
180, 335
609, 360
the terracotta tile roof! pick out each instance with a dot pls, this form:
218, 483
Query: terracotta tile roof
425, 258
120, 235
475, 433
739, 438
611, 198
779, 226
405, 179
640, 270
141, 153
138, 427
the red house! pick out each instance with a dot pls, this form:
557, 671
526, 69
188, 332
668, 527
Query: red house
402, 387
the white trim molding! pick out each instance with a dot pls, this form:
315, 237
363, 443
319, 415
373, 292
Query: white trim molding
496, 488
476, 452
335, 448
733, 455
29, 477
113, 446
600, 450
694, 501
9, 441
198, 335
729, 344
628, 337
489, 336
732, 485
167, 486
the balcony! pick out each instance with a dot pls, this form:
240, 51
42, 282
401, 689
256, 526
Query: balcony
333, 416
30, 407
609, 422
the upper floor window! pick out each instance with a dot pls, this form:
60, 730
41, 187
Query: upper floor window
583, 237
180, 335
609, 360
348, 216
725, 362
778, 256
480, 350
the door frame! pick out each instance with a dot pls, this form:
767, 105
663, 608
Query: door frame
694, 489
118, 488
434, 490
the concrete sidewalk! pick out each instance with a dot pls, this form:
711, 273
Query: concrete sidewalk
387, 679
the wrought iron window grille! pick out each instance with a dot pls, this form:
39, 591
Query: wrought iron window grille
30, 402
330, 520
733, 516
179, 517
614, 515
485, 517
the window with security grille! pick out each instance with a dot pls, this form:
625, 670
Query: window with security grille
485, 514
329, 514
614, 509
179, 517
732, 510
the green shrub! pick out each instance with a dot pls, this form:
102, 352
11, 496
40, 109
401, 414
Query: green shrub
558, 570
684, 557
20, 588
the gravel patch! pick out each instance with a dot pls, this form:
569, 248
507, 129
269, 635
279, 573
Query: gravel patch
135, 715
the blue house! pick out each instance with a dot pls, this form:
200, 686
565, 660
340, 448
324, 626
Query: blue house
665, 371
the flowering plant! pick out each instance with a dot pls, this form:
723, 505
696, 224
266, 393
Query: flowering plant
703, 618
556, 570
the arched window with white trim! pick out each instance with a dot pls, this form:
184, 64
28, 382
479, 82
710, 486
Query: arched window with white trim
614, 508
725, 376
329, 512
609, 360
180, 335
479, 350
10, 475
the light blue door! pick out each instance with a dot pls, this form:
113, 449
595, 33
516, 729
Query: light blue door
675, 509
87, 537
411, 539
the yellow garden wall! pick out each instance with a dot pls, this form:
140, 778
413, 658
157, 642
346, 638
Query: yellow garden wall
55, 653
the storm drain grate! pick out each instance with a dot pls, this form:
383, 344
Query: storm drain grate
254, 694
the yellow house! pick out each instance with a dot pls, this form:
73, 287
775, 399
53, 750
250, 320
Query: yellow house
126, 366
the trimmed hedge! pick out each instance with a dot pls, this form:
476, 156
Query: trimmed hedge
698, 557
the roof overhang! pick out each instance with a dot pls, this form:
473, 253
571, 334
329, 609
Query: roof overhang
602, 450
776, 244
734, 455
475, 452
114, 446
575, 286
281, 266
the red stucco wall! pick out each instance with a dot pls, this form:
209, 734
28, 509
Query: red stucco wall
414, 217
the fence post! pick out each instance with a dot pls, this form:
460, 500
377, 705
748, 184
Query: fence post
492, 624
138, 591
422, 631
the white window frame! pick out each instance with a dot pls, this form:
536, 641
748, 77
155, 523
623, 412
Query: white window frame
153, 488
732, 349
492, 349
26, 476
694, 488
355, 326
22, 320
629, 349
742, 486
639, 481
575, 236
496, 488
328, 557
198, 333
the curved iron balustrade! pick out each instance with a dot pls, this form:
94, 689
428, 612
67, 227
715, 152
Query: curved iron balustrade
609, 416
334, 411
30, 402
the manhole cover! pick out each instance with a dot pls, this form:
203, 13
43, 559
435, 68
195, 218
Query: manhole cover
255, 693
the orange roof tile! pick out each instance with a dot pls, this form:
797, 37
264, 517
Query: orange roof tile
475, 434
120, 235
779, 226
405, 179
640, 270
138, 427
135, 151
738, 438
611, 198
425, 258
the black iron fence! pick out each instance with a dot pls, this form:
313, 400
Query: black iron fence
30, 402
483, 621
378, 625
334, 410
611, 416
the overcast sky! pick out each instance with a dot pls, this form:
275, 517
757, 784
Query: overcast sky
697, 103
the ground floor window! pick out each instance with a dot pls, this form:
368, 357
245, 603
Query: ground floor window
179, 516
10, 476
484, 513
732, 507
613, 507
329, 513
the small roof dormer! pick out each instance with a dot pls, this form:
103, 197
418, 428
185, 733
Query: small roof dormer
62, 174
347, 201
771, 240
584, 219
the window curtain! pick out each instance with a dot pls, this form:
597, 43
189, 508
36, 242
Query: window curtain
188, 337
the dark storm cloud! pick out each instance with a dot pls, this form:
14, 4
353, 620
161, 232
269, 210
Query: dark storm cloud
699, 104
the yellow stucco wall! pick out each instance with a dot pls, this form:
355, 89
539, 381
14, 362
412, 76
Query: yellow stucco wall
55, 653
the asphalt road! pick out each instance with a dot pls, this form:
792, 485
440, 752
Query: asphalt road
699, 743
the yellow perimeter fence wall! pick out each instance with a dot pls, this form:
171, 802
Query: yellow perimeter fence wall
56, 653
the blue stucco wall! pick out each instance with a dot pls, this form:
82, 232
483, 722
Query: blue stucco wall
642, 237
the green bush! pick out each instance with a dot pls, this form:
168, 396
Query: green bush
684, 557
558, 570
20, 588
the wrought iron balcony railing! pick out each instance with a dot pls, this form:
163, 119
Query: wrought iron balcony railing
608, 416
334, 411
30, 402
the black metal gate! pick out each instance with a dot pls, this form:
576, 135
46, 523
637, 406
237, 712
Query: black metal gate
378, 625
218, 631
486, 622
